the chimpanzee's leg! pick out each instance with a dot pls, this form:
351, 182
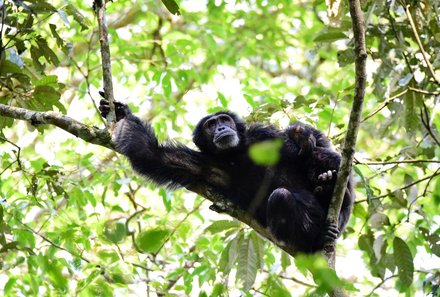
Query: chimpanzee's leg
296, 218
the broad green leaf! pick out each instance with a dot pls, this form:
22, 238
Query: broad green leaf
266, 153
247, 263
404, 261
46, 96
150, 241
7, 67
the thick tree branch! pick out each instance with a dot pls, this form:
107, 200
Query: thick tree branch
353, 125
103, 138
87, 133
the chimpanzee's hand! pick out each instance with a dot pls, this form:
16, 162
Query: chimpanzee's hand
326, 182
303, 136
121, 109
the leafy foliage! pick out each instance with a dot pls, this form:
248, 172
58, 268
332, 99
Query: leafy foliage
74, 218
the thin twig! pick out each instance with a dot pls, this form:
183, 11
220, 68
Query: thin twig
424, 92
384, 104
382, 282
53, 243
402, 188
419, 43
196, 208
379, 163
294, 279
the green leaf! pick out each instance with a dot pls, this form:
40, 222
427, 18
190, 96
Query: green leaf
115, 231
50, 80
228, 256
42, 7
82, 284
166, 199
47, 52
345, 57
247, 262
47, 96
219, 226
56, 276
330, 35
404, 261
9, 285
368, 189
77, 16
436, 192
35, 55
7, 67
378, 220
222, 99
266, 153
150, 241
60, 41
172, 6
166, 85
411, 116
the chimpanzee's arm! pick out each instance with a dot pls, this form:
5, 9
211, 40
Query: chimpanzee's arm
169, 164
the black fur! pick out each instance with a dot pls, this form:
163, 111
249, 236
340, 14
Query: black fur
290, 198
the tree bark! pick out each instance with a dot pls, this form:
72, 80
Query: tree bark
99, 6
349, 146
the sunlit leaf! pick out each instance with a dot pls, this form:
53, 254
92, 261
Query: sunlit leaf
266, 153
150, 241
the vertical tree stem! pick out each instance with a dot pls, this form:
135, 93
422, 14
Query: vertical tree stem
99, 6
349, 146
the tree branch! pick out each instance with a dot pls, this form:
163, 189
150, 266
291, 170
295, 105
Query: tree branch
348, 149
99, 7
87, 133
102, 137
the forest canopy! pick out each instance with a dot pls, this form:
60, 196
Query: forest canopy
76, 220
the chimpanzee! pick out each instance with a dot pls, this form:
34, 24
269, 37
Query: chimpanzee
290, 198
